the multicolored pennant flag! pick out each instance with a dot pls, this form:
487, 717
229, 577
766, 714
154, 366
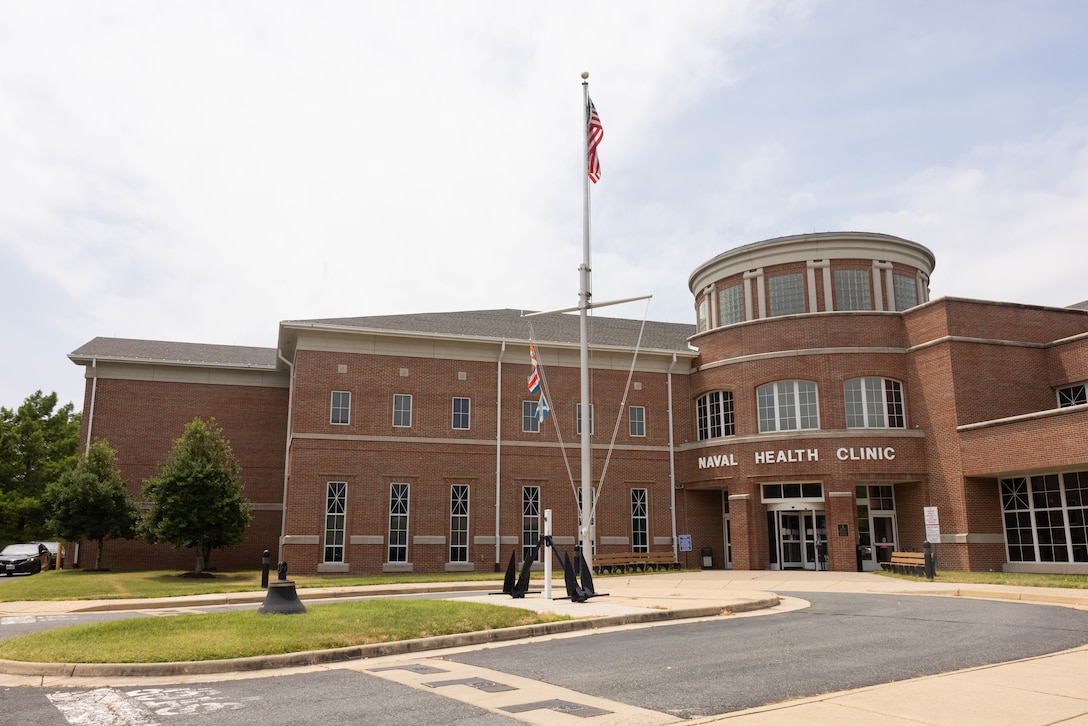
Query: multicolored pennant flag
534, 374
542, 409
594, 134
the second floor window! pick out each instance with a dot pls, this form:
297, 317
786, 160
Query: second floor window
1073, 395
788, 406
638, 420
579, 415
341, 408
530, 424
787, 294
402, 410
461, 408
714, 415
874, 403
731, 305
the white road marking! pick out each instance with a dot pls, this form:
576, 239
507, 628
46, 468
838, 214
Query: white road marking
108, 707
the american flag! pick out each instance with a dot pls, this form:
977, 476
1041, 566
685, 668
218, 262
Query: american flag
594, 134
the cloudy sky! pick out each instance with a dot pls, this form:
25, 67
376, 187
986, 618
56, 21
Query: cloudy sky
199, 171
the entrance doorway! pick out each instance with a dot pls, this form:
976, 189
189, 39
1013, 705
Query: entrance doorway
801, 539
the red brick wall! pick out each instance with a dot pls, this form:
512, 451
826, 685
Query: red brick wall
142, 419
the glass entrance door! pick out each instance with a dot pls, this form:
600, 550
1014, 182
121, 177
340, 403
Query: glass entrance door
789, 537
802, 540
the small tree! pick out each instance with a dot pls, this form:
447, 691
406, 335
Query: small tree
196, 500
92, 501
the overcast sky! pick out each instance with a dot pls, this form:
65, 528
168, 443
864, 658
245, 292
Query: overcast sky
199, 171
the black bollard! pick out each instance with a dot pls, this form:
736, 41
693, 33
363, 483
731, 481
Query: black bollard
931, 564
266, 558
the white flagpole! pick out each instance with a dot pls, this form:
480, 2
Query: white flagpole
584, 297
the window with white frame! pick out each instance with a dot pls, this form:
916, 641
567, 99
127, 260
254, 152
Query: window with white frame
530, 424
787, 294
578, 414
402, 410
714, 415
459, 523
906, 292
530, 521
731, 305
637, 420
640, 520
787, 406
335, 515
461, 417
1046, 517
874, 403
340, 410
1073, 395
398, 522
852, 290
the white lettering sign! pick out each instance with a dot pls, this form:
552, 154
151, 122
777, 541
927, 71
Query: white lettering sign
787, 456
866, 453
710, 462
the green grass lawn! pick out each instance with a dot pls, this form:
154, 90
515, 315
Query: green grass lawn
114, 585
1019, 579
217, 636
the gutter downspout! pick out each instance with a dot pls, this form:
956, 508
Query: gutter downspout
672, 465
287, 453
498, 454
90, 414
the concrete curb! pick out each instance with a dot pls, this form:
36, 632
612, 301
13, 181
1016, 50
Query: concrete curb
362, 652
1014, 595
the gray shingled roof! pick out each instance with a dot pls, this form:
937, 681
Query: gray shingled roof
509, 324
158, 351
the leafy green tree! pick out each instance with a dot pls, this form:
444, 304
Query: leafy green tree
38, 441
91, 501
196, 499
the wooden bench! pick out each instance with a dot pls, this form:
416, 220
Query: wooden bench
906, 563
617, 562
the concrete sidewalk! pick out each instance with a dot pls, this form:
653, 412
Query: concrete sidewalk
1048, 689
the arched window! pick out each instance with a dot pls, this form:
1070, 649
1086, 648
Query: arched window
787, 406
874, 403
714, 415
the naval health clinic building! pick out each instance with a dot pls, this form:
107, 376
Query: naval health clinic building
818, 408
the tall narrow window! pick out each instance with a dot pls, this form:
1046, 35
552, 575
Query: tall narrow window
704, 314
341, 407
402, 410
731, 305
335, 510
459, 523
906, 292
852, 290
461, 418
787, 294
874, 403
640, 521
787, 406
638, 420
578, 410
530, 521
530, 424
1073, 395
714, 415
398, 523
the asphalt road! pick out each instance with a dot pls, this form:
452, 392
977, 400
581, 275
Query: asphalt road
688, 669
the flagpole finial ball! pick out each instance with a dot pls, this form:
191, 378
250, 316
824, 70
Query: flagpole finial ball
585, 75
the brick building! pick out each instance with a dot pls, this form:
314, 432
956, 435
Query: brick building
821, 405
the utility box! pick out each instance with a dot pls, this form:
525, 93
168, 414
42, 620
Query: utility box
708, 558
